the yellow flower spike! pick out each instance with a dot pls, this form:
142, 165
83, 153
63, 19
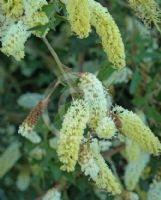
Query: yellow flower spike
105, 179
132, 150
12, 8
79, 17
109, 33
148, 11
71, 134
134, 128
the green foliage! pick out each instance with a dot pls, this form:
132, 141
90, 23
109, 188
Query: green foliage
22, 85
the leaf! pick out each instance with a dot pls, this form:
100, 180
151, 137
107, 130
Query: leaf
29, 100
153, 113
138, 100
51, 8
9, 158
135, 82
105, 72
56, 172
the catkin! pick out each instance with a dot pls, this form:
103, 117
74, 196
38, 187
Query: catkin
147, 10
12, 8
93, 164
134, 128
105, 179
88, 163
71, 134
13, 42
96, 97
31, 6
109, 33
106, 128
79, 17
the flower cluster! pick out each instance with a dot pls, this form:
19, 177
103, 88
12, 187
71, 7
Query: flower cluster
91, 116
90, 111
84, 13
16, 19
147, 10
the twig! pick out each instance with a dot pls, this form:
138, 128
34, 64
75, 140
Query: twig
57, 60
51, 88
81, 61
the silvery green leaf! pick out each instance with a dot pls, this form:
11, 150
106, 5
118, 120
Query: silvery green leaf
29, 100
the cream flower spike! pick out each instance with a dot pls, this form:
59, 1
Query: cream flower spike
79, 17
31, 6
71, 134
34, 16
148, 11
87, 162
109, 33
38, 18
5, 22
14, 40
96, 97
12, 8
105, 179
134, 128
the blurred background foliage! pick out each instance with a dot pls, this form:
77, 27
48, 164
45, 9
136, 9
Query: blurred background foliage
22, 84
